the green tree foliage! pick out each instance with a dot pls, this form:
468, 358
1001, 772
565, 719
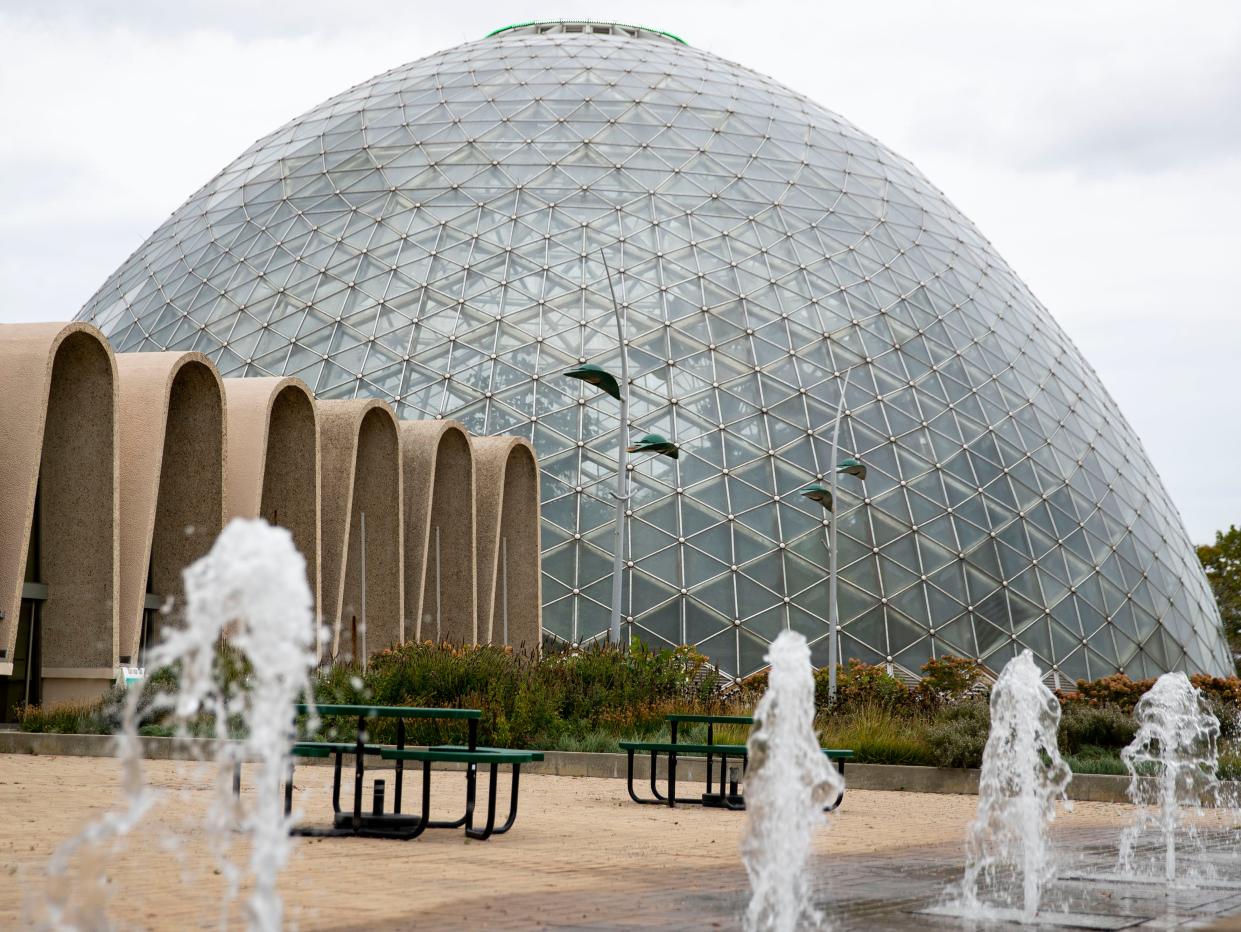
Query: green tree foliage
1222, 562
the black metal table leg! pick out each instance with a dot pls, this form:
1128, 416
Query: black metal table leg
336, 774
672, 777
659, 797
512, 803
629, 778
840, 768
732, 799
471, 774
358, 770
710, 741
400, 766
485, 832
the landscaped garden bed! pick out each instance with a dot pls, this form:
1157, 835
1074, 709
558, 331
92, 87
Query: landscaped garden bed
589, 699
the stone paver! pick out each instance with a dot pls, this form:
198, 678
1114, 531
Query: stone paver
581, 856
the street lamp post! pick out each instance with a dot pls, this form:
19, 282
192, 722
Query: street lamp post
650, 443
827, 498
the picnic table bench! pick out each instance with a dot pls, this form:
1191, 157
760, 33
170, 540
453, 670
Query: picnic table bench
728, 795
397, 824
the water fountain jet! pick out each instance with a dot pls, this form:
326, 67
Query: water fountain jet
251, 591
1172, 763
788, 783
1009, 856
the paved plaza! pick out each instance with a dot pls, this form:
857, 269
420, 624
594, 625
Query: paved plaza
580, 857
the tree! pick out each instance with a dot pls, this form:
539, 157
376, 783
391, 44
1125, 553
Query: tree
1222, 562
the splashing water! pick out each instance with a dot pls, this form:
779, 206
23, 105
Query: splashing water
250, 590
1172, 763
788, 782
1008, 851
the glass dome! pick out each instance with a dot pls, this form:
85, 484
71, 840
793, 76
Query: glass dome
434, 237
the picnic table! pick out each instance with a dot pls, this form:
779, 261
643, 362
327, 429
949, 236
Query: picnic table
377, 823
727, 796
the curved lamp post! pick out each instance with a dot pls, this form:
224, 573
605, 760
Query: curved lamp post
826, 496
650, 443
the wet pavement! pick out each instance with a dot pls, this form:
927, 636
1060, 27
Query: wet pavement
907, 889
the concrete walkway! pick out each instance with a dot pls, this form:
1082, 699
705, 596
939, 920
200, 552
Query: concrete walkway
580, 856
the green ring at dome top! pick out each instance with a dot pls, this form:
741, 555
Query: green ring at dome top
584, 22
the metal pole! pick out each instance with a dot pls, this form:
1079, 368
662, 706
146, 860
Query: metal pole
622, 477
833, 617
439, 602
30, 636
364, 655
504, 585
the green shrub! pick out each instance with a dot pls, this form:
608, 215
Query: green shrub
1103, 726
1223, 697
949, 679
1115, 690
862, 685
958, 734
1229, 764
527, 700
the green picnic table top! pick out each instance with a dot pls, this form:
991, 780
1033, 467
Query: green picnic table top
536, 755
389, 711
306, 748
727, 750
711, 719
460, 755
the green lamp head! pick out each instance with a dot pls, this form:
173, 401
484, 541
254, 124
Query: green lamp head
820, 493
598, 377
852, 467
655, 443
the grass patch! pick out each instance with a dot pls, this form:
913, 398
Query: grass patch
1096, 760
877, 735
68, 718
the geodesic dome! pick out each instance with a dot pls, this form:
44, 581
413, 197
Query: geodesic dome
434, 237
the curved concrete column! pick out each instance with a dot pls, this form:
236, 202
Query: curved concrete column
273, 461
171, 468
58, 444
361, 475
509, 582
440, 572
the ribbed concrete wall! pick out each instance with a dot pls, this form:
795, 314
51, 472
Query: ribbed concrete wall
171, 469
273, 461
440, 551
509, 591
138, 460
361, 477
58, 440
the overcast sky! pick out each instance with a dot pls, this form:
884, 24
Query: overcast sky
1097, 144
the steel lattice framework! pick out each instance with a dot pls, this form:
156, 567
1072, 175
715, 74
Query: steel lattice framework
433, 237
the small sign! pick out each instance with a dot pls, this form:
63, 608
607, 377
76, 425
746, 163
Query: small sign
131, 675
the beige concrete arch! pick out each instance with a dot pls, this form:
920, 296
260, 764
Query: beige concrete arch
172, 464
273, 467
509, 581
361, 475
58, 447
441, 593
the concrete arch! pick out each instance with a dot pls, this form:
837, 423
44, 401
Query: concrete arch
171, 469
441, 594
58, 497
273, 469
361, 474
509, 582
